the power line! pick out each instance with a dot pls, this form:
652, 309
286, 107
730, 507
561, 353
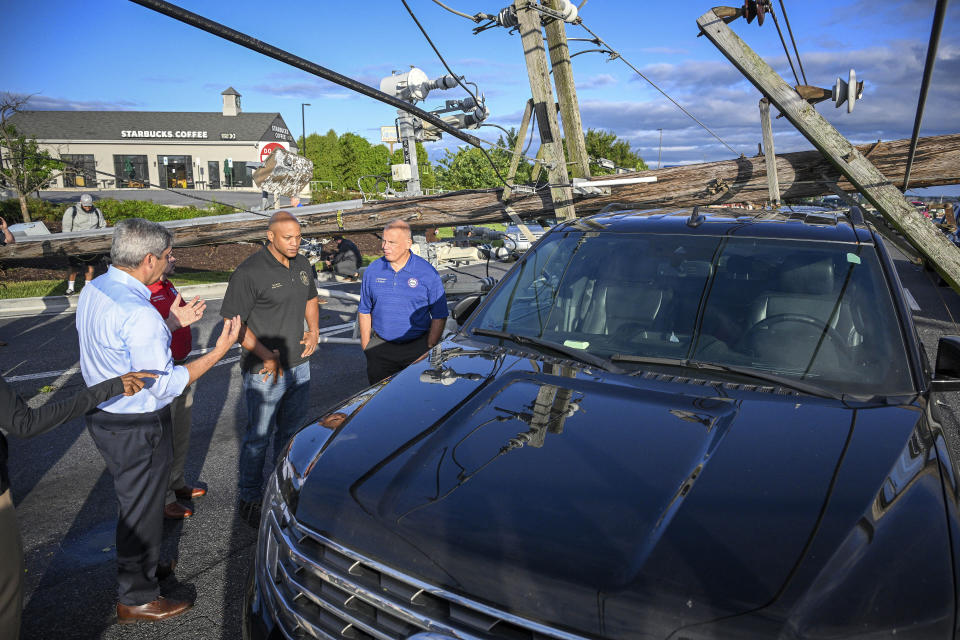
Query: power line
479, 17
615, 53
783, 8
460, 82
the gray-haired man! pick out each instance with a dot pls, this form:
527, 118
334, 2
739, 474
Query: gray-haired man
121, 331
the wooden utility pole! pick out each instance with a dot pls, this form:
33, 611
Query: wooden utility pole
518, 148
942, 254
725, 182
531, 35
768, 153
567, 95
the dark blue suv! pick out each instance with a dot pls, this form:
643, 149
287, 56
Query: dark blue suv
707, 424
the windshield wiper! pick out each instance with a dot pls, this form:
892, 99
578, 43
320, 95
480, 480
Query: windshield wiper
574, 354
781, 381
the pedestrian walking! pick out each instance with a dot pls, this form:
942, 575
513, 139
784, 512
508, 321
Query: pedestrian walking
120, 330
16, 418
403, 306
274, 293
163, 296
82, 218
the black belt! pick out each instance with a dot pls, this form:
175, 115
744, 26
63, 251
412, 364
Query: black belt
374, 334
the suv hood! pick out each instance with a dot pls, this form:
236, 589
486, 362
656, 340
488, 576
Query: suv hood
555, 492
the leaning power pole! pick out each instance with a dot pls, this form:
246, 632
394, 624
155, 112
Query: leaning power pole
531, 35
942, 254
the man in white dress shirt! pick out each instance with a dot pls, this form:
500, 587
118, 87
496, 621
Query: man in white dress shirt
121, 331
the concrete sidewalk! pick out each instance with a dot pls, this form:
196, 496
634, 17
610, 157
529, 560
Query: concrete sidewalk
52, 305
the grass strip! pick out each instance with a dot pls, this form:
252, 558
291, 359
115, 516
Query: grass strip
44, 288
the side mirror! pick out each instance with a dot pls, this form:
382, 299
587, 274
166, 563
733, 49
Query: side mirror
946, 375
463, 309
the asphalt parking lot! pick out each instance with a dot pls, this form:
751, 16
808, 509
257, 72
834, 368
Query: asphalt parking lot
65, 500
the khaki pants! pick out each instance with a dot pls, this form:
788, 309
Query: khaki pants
181, 410
11, 570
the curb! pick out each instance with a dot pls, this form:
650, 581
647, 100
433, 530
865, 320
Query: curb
52, 305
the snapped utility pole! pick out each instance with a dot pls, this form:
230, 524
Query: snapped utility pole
531, 36
875, 187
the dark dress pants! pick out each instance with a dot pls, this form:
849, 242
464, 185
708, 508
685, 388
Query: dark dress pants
137, 449
387, 358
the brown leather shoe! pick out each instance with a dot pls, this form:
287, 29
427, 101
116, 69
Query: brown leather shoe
186, 492
176, 511
159, 609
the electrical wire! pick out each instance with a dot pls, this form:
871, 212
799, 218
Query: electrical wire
654, 85
785, 50
783, 9
459, 81
480, 17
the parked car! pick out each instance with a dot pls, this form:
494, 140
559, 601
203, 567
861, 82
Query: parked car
707, 424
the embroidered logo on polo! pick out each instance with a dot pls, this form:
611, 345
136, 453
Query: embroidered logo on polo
412, 283
303, 278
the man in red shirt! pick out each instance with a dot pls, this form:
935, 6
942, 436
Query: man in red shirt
163, 295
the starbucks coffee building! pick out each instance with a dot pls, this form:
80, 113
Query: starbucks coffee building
150, 149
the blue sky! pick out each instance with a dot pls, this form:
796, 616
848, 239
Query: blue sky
113, 54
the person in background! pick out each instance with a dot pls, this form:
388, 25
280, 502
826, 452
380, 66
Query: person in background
6, 237
345, 259
163, 295
120, 330
16, 418
403, 306
274, 293
82, 218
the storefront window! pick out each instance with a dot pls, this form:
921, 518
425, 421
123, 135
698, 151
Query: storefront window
131, 172
176, 172
80, 170
237, 174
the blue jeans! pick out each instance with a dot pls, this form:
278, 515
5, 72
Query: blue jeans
284, 404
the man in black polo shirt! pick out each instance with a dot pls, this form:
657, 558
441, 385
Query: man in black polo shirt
274, 293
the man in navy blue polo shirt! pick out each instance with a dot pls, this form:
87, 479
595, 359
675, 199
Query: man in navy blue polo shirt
402, 306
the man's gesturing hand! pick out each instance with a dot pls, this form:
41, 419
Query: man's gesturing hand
309, 342
228, 336
271, 367
134, 381
187, 314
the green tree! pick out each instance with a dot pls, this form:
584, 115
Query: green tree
605, 144
24, 167
471, 168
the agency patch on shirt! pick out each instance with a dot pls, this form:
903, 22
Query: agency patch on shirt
412, 283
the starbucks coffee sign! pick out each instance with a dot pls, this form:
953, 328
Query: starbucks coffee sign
160, 133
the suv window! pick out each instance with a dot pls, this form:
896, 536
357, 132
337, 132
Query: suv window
809, 310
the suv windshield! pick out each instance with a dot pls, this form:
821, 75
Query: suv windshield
805, 310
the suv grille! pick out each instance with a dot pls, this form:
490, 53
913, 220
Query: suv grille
315, 588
